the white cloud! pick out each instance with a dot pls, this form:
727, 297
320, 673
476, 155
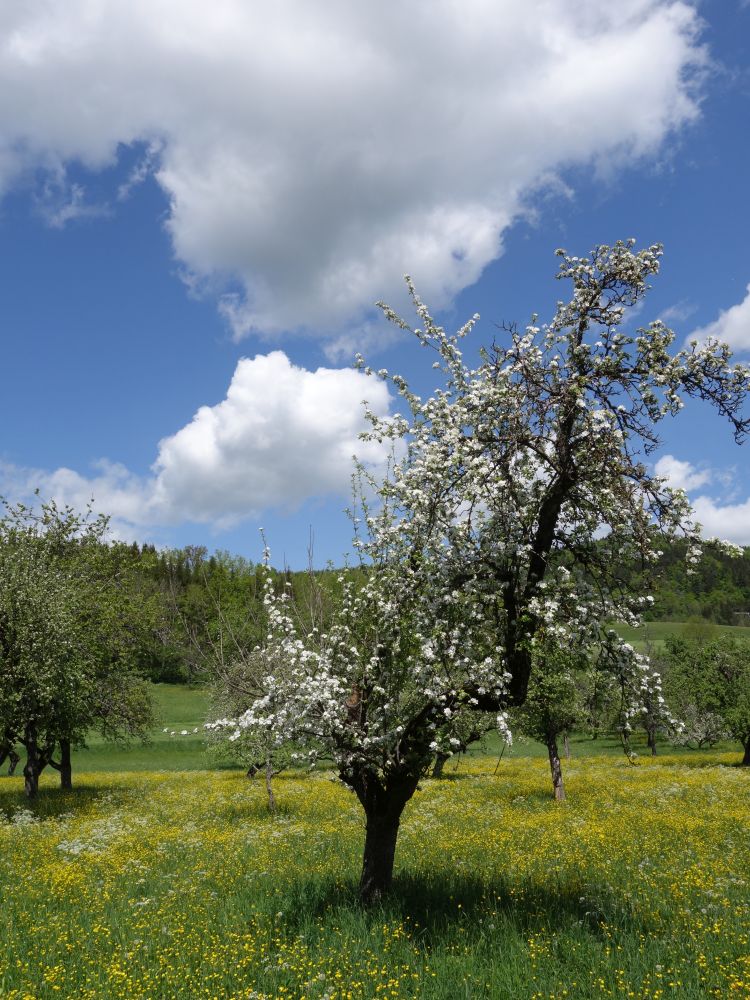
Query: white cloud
678, 313
730, 521
312, 153
681, 475
281, 436
732, 327
727, 521
59, 201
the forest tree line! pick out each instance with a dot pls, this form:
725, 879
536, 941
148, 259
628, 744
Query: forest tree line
202, 593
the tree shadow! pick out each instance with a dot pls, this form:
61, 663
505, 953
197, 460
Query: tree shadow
52, 803
436, 908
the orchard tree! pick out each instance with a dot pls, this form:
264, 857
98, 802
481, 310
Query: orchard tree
239, 682
709, 684
68, 635
553, 704
515, 493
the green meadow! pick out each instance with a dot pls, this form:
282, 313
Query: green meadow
162, 876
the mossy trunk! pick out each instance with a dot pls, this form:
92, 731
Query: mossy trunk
440, 761
746, 755
66, 767
651, 733
556, 768
383, 801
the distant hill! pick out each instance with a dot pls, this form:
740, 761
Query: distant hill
717, 589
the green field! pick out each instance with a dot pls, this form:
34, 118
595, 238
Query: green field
654, 633
177, 708
167, 885
159, 876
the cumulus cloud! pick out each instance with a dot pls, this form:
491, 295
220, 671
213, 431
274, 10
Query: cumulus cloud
281, 436
312, 153
728, 521
681, 475
732, 327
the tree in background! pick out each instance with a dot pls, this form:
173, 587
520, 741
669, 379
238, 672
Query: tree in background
600, 699
709, 685
515, 493
239, 683
70, 626
243, 672
553, 705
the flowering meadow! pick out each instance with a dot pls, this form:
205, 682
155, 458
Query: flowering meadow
160, 885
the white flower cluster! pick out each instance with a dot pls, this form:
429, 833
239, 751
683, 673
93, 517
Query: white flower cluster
514, 494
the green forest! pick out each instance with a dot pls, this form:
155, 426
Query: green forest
197, 589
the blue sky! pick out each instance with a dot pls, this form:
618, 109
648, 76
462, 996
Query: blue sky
201, 203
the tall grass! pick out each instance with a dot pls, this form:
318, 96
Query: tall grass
182, 885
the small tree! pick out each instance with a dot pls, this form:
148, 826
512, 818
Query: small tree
709, 685
68, 630
239, 684
553, 703
599, 696
534, 453
654, 715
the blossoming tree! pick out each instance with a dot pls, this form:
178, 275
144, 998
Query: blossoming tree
515, 492
70, 628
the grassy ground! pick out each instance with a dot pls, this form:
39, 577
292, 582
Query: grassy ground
654, 633
183, 886
178, 708
183, 709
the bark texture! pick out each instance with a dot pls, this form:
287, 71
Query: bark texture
66, 767
440, 760
383, 801
556, 769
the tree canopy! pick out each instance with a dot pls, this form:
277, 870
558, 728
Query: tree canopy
516, 492
71, 626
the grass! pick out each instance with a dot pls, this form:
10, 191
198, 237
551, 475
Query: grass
145, 885
181, 708
145, 882
178, 708
654, 633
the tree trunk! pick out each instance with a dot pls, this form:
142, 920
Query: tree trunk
32, 768
66, 768
383, 801
7, 752
269, 786
37, 759
440, 759
746, 757
651, 731
556, 768
379, 855
566, 746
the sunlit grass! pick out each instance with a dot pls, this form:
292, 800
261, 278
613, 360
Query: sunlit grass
182, 885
